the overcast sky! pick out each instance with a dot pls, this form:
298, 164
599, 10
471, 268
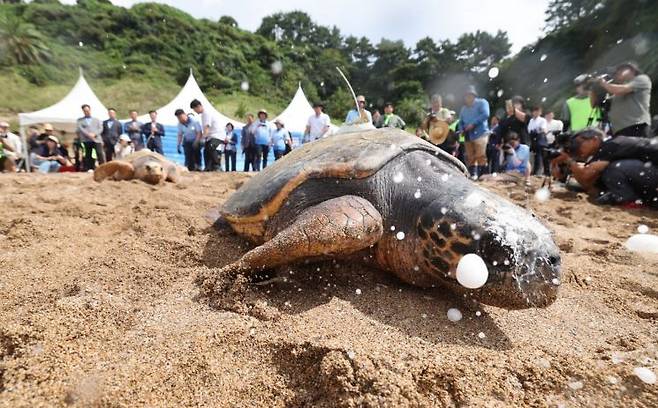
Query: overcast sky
408, 20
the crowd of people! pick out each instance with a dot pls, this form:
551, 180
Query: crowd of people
602, 142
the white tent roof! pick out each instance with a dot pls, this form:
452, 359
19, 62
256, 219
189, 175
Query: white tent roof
186, 95
67, 111
295, 116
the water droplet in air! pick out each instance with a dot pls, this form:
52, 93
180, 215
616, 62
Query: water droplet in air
399, 236
543, 58
454, 315
619, 41
277, 67
642, 229
493, 72
445, 177
472, 272
482, 335
398, 177
351, 355
645, 375
478, 313
244, 86
576, 385
543, 194
545, 80
392, 227
358, 291
81, 44
500, 93
444, 210
417, 194
555, 281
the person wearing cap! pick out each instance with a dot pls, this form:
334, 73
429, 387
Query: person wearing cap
577, 111
362, 115
212, 132
263, 137
631, 95
12, 144
133, 128
112, 129
51, 156
89, 131
390, 119
474, 124
318, 124
437, 111
231, 139
190, 135
124, 147
280, 139
153, 132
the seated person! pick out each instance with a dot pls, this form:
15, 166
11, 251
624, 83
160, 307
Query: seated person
124, 148
51, 157
615, 166
517, 155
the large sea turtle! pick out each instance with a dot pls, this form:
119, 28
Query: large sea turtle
145, 165
392, 199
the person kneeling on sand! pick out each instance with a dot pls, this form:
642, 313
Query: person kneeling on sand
51, 157
124, 148
517, 155
617, 171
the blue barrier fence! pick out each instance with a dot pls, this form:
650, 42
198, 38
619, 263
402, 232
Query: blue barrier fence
170, 141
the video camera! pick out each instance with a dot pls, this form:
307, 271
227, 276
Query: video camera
562, 144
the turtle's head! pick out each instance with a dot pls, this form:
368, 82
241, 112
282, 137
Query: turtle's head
152, 172
521, 257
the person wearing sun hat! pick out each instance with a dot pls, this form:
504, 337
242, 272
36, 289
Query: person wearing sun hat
360, 116
280, 139
51, 157
263, 134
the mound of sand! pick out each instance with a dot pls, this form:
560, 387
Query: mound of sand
99, 306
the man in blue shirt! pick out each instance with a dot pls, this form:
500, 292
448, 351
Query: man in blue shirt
360, 116
517, 155
189, 136
473, 123
263, 136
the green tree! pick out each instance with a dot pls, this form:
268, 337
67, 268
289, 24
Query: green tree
563, 13
22, 42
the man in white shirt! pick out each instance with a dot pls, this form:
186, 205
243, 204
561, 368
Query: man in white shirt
11, 148
318, 124
537, 130
554, 126
214, 137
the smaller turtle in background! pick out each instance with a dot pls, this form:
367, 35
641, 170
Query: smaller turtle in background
145, 165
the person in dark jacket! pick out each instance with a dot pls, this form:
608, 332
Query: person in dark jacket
153, 132
248, 143
112, 129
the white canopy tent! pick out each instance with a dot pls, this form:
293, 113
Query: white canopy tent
295, 116
187, 94
64, 114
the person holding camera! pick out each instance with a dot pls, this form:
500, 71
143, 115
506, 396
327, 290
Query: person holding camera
631, 94
622, 168
537, 130
517, 155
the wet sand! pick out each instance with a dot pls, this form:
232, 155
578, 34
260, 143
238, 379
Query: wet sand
99, 307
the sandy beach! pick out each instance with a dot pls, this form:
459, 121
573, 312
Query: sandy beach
99, 307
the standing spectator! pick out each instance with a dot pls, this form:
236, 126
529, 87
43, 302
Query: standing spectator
280, 139
51, 157
473, 122
214, 144
89, 131
377, 119
359, 116
629, 112
577, 111
34, 138
124, 147
231, 139
437, 109
248, 143
554, 127
436, 115
112, 129
318, 124
390, 119
537, 129
133, 128
515, 120
517, 155
263, 137
494, 146
153, 132
190, 134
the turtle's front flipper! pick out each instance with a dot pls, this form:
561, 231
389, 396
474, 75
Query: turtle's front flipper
336, 227
118, 170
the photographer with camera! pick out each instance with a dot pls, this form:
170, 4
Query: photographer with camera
517, 155
631, 94
622, 167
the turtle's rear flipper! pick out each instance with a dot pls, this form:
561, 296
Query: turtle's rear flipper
336, 227
118, 170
